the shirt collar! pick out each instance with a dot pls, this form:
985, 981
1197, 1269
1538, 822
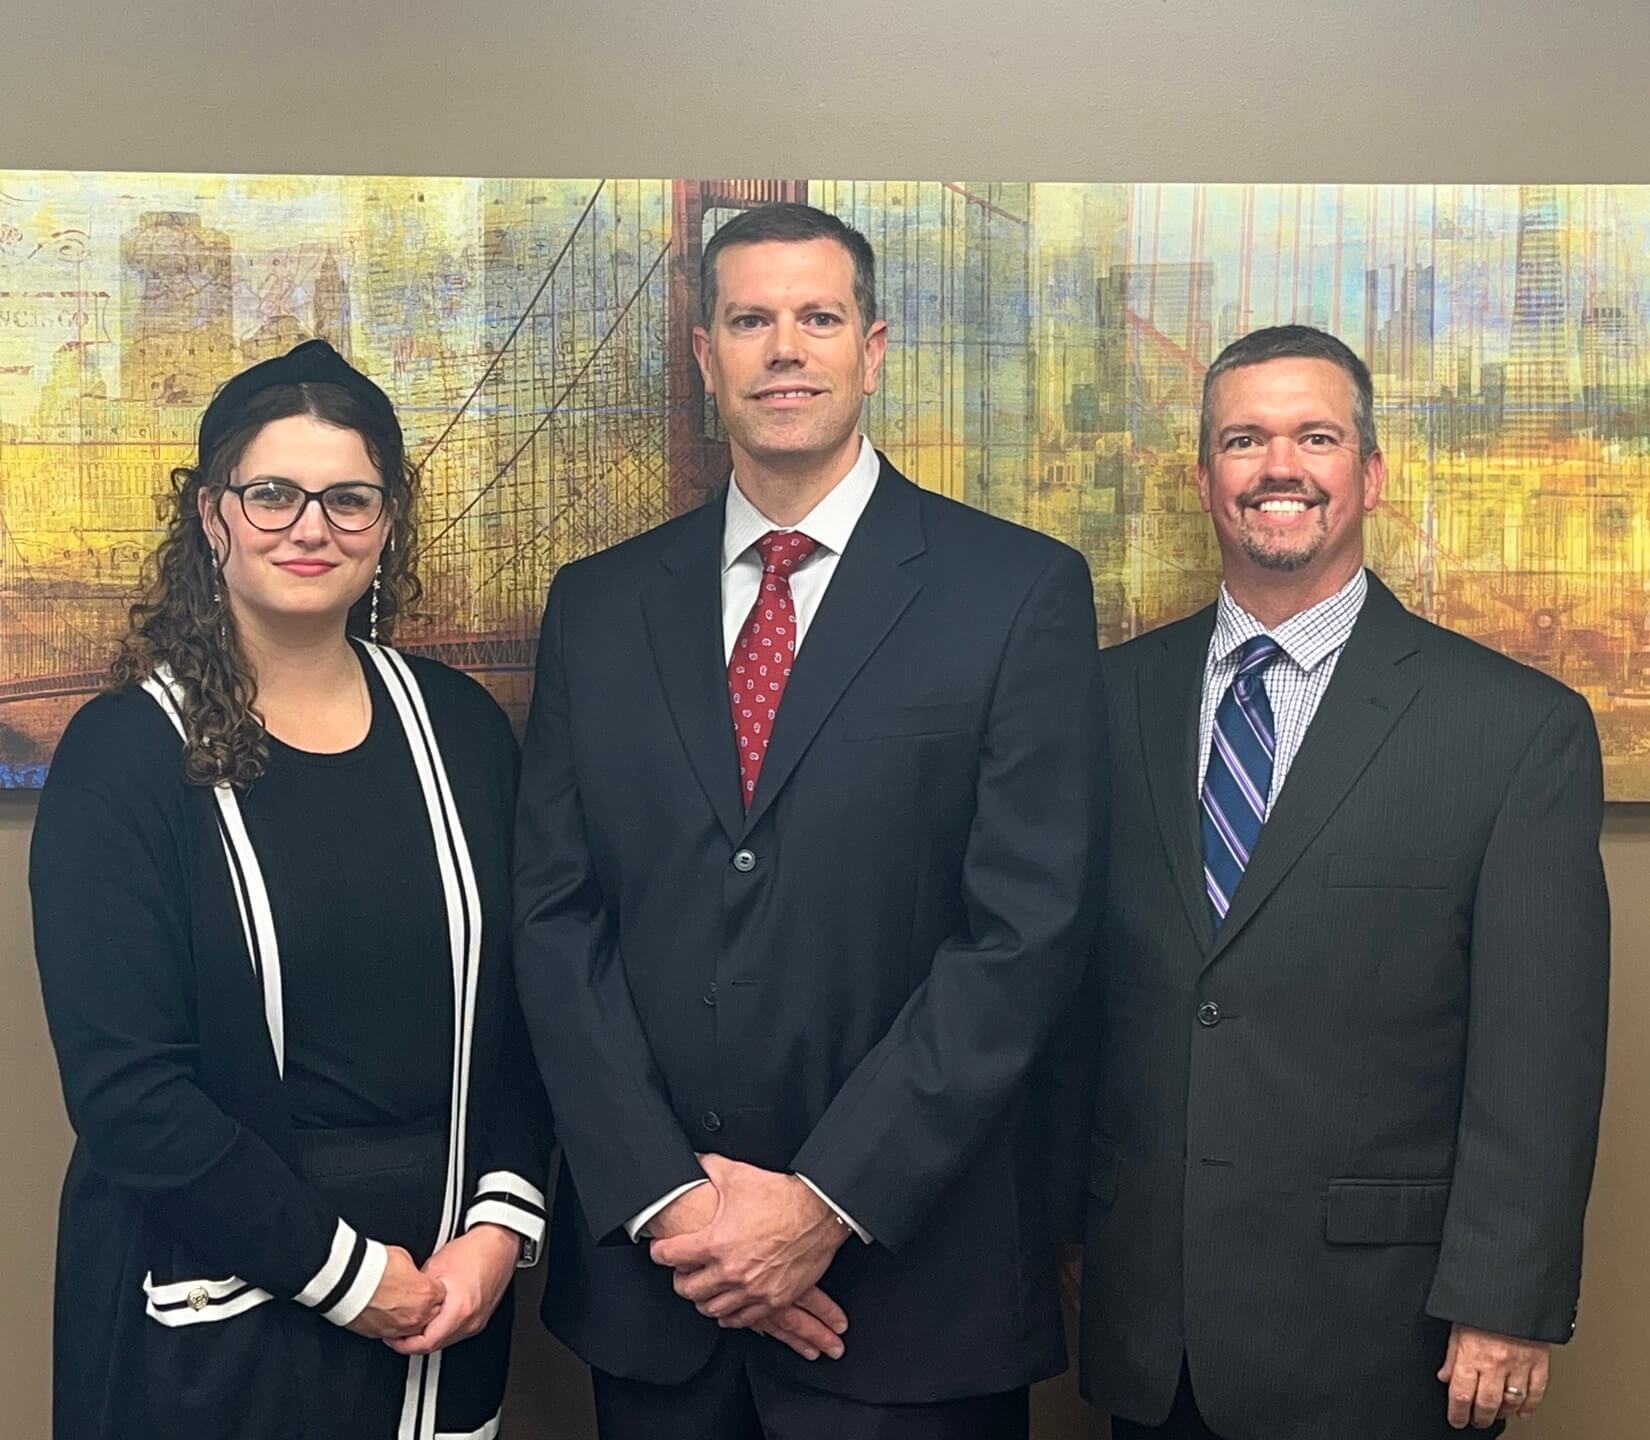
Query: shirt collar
1308, 638
831, 522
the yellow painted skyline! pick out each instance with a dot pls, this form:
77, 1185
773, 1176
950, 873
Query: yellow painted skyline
1048, 346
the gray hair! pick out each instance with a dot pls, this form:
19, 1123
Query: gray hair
1295, 342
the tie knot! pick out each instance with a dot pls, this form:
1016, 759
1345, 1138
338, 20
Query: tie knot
783, 550
1256, 655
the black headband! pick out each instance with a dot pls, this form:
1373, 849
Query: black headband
313, 362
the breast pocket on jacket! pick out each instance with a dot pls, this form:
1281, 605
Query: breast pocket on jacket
890, 722
1387, 872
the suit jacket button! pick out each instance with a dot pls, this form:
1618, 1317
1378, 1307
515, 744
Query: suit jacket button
198, 1298
709, 996
711, 1121
744, 861
1208, 1013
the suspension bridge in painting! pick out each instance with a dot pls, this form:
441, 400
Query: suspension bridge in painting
1056, 384
560, 447
587, 423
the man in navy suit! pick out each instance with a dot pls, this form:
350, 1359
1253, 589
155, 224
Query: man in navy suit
810, 804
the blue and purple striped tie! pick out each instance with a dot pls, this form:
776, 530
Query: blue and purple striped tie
1239, 778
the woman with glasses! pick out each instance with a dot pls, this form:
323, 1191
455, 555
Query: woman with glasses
271, 896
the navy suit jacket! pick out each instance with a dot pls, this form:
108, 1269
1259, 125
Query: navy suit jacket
857, 980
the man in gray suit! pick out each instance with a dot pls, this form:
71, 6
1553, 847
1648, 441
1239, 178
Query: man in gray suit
1354, 974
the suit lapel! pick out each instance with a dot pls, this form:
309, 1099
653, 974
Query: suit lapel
867, 594
1169, 691
683, 611
1371, 688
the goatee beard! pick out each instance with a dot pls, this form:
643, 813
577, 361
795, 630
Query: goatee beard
1281, 562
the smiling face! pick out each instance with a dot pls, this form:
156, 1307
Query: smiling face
311, 570
1284, 483
786, 354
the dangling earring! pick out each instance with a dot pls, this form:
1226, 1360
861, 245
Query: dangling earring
217, 600
378, 586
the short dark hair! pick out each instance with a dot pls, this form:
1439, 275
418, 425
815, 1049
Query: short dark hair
1295, 342
793, 222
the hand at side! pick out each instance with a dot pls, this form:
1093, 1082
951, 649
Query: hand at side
1492, 1376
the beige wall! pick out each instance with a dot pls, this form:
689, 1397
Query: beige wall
1408, 90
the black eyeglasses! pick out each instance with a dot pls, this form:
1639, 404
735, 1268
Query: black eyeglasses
277, 504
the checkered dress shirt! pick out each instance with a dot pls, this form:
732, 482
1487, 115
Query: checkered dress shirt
1312, 642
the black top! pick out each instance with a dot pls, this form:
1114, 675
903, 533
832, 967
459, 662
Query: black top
366, 972
185, 1173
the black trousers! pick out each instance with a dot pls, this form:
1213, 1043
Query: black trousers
1184, 1422
736, 1397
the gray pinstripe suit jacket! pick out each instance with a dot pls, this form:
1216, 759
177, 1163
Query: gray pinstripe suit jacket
1368, 1106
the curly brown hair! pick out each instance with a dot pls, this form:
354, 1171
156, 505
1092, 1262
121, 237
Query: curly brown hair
183, 621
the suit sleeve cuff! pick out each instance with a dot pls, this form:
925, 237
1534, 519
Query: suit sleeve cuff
344, 1284
504, 1198
838, 1211
634, 1225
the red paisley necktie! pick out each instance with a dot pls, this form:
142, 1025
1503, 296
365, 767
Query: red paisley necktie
762, 655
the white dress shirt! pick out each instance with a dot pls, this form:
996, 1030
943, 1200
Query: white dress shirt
1295, 681
831, 522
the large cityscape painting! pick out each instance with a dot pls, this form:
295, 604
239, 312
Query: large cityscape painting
1048, 344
